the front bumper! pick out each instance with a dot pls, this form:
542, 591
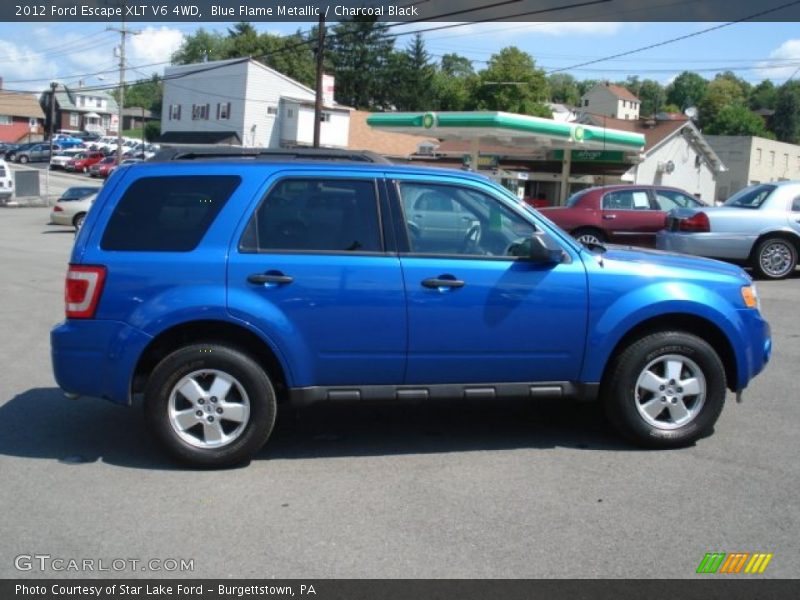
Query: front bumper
756, 347
96, 357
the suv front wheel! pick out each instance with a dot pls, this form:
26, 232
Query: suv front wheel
665, 390
210, 405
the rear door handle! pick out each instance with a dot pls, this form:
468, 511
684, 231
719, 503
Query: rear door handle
270, 277
609, 217
442, 282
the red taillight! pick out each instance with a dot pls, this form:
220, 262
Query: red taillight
82, 290
695, 223
57, 208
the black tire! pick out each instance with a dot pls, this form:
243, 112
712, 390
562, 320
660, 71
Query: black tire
774, 258
78, 221
586, 232
23, 159
161, 398
627, 404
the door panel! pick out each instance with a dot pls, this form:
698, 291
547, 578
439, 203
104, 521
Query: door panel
629, 218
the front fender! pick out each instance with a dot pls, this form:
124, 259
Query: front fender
609, 323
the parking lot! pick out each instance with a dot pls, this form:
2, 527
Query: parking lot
427, 490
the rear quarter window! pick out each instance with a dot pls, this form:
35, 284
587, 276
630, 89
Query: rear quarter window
167, 214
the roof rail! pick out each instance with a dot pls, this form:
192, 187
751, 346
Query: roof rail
192, 152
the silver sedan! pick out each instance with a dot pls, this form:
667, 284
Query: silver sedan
758, 226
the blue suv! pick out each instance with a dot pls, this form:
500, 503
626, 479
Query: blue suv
220, 287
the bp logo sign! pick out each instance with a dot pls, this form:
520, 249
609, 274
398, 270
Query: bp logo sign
578, 133
428, 120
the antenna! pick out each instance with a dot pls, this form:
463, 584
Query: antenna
691, 112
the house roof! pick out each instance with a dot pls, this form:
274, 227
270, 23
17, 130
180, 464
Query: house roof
14, 133
311, 102
364, 137
657, 131
20, 105
66, 100
619, 91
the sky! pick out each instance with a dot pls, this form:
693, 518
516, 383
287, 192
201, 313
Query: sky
33, 54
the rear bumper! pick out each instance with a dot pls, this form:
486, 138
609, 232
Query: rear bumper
714, 245
96, 357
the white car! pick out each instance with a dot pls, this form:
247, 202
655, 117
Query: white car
6, 182
60, 160
72, 207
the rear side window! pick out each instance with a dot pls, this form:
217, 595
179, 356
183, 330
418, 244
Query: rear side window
167, 214
316, 215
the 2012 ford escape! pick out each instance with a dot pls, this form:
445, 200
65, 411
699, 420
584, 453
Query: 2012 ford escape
221, 287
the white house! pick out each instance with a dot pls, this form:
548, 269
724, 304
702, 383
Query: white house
612, 101
675, 154
242, 102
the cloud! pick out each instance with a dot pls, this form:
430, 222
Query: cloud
18, 62
154, 45
783, 63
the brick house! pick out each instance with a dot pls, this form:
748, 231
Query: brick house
82, 109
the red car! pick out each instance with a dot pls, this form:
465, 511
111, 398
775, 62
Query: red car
104, 167
83, 161
620, 214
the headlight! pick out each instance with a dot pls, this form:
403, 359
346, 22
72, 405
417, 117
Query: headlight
750, 296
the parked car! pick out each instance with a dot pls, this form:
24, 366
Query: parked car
35, 153
62, 158
758, 226
218, 301
12, 149
67, 141
72, 206
84, 160
621, 214
6, 182
103, 168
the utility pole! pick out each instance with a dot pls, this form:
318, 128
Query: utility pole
123, 32
318, 98
53, 86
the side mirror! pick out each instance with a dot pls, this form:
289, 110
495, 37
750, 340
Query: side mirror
541, 250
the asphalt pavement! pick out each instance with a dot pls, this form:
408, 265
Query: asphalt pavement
510, 489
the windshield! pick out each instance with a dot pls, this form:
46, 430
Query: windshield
751, 197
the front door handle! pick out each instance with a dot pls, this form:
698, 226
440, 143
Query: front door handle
443, 281
270, 277
609, 217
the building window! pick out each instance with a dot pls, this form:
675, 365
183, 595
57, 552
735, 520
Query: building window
174, 112
771, 158
223, 110
324, 117
5, 120
758, 156
74, 120
272, 110
290, 113
200, 112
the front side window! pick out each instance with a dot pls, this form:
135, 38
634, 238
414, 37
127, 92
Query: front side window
316, 215
167, 214
454, 220
668, 199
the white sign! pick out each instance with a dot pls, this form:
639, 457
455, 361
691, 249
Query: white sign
328, 85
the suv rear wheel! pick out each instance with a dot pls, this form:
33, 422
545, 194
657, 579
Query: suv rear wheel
210, 405
665, 390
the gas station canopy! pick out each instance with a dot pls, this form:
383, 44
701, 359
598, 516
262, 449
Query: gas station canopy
518, 132
522, 131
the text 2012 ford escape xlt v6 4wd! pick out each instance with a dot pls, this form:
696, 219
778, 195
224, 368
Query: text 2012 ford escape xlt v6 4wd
220, 287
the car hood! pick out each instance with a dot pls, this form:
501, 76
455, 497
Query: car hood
669, 260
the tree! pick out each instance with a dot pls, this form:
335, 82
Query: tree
359, 52
736, 119
453, 83
564, 89
720, 93
687, 90
653, 97
511, 82
242, 40
786, 120
764, 95
413, 75
454, 65
199, 47
291, 55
